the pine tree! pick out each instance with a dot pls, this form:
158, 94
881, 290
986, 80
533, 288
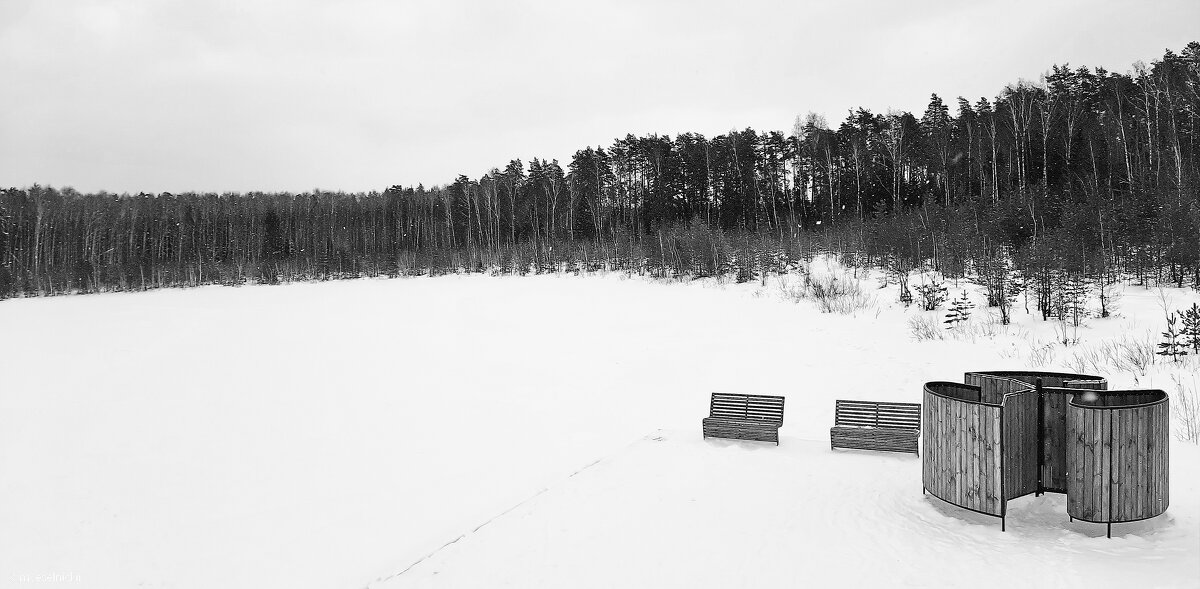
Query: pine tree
1171, 346
1191, 328
936, 127
960, 311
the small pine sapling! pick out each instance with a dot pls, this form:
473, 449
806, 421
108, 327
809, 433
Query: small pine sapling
1171, 344
1191, 328
960, 311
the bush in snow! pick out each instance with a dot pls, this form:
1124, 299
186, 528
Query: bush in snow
933, 294
836, 294
1127, 355
1040, 354
925, 328
1187, 409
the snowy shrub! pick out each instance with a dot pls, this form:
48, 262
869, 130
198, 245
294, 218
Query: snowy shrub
1066, 332
933, 294
1134, 356
835, 294
1088, 361
995, 326
1040, 355
924, 327
789, 291
1186, 408
853, 302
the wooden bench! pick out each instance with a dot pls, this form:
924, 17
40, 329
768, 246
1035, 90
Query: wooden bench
744, 417
868, 425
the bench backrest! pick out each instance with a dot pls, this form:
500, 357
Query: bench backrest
736, 406
877, 414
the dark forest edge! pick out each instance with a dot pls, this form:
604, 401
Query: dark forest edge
1074, 183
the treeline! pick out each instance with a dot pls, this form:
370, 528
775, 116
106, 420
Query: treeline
1086, 172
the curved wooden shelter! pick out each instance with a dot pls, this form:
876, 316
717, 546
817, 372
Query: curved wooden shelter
1001, 435
1116, 457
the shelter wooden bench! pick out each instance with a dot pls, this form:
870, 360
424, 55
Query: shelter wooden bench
869, 425
744, 417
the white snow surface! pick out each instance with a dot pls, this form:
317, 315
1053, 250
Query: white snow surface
479, 431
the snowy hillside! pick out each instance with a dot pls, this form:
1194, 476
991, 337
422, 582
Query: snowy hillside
477, 431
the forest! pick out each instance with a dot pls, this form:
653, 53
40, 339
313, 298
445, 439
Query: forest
1069, 184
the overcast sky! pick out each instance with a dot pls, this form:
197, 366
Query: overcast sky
239, 95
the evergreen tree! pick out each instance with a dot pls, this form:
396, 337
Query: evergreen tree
960, 311
1190, 334
936, 127
1171, 344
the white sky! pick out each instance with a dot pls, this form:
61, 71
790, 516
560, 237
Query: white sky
239, 95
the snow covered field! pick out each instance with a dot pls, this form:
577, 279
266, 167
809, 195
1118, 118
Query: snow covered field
475, 431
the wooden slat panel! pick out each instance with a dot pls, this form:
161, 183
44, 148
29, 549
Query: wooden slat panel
764, 408
1054, 440
1119, 463
995, 493
877, 414
740, 429
931, 438
1077, 469
960, 462
1020, 444
1106, 466
992, 388
958, 416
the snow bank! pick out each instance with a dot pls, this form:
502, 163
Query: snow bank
675, 511
331, 435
